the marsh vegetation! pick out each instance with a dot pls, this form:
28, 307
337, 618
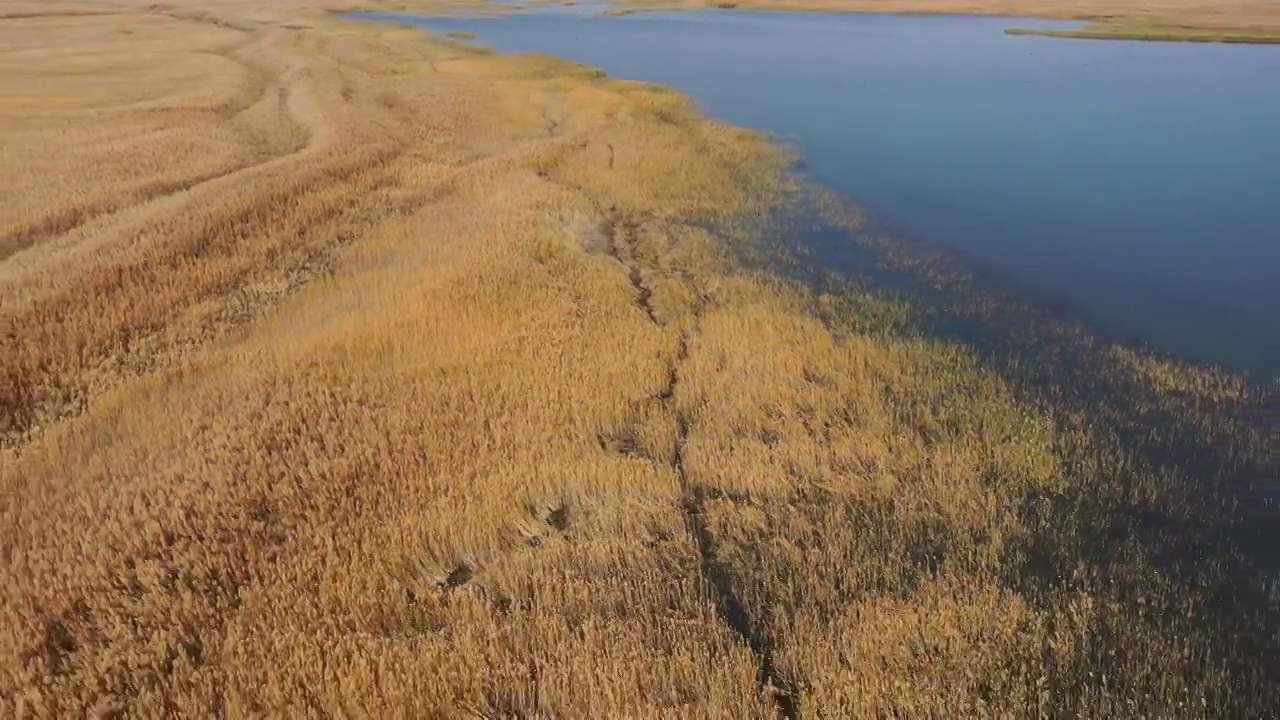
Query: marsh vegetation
1162, 33
373, 374
1079, 170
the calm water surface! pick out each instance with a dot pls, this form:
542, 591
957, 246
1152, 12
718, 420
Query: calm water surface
1139, 182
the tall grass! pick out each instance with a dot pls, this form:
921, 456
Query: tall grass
450, 401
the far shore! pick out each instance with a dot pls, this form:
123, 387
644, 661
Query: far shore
1159, 33
1230, 21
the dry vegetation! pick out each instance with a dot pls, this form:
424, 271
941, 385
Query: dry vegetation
1163, 32
353, 373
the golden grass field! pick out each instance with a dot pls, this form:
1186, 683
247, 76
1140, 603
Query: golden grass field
350, 372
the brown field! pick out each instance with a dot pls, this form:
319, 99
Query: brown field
354, 373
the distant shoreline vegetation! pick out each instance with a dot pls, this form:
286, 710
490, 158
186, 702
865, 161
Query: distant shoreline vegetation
1158, 33
1152, 21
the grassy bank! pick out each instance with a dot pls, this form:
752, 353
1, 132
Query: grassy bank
1161, 33
369, 373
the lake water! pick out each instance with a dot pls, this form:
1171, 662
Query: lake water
1139, 182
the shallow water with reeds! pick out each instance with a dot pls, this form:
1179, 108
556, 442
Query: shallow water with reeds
1137, 183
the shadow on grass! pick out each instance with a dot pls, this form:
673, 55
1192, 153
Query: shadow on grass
1169, 515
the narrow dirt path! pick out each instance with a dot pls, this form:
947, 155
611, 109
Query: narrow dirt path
729, 607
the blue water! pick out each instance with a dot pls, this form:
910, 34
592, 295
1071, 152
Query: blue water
1139, 182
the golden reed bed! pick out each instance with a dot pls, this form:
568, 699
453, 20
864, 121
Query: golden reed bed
353, 373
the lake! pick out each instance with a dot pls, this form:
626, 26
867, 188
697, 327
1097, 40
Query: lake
1138, 182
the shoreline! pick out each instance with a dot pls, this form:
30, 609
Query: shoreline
1142, 19
451, 384
1193, 25
1002, 282
1156, 33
